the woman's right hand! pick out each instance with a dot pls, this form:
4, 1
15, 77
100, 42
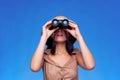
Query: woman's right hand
46, 32
37, 59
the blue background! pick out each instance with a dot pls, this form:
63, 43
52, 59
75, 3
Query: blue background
20, 28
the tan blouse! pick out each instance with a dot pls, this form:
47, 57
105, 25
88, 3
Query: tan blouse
53, 71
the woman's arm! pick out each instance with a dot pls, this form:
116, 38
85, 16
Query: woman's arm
37, 59
84, 58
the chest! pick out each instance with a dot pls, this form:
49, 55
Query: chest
60, 59
66, 67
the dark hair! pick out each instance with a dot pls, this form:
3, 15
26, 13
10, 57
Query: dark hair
69, 44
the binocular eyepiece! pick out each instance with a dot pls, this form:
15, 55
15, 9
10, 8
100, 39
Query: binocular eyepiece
60, 23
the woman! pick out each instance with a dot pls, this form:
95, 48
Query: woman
60, 60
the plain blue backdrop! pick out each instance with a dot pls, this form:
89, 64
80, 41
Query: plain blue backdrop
21, 22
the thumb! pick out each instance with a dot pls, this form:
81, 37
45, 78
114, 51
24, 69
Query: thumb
68, 30
55, 29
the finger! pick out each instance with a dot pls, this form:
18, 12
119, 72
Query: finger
48, 24
55, 29
68, 30
72, 22
73, 25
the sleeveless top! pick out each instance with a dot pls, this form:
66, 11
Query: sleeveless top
53, 71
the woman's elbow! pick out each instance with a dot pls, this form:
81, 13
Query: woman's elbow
34, 68
90, 67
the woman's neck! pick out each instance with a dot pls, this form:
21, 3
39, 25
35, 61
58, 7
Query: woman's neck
60, 48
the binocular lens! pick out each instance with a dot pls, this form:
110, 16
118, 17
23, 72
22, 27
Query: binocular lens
60, 23
55, 23
65, 23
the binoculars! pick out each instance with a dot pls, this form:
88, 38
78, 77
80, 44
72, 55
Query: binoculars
60, 23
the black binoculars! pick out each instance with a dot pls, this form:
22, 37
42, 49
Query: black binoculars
60, 23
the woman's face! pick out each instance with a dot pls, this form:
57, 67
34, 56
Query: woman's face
60, 36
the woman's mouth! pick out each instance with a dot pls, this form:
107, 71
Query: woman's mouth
59, 34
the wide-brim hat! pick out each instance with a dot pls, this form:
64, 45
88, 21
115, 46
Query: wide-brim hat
70, 37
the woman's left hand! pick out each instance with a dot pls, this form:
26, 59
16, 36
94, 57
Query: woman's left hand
74, 31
